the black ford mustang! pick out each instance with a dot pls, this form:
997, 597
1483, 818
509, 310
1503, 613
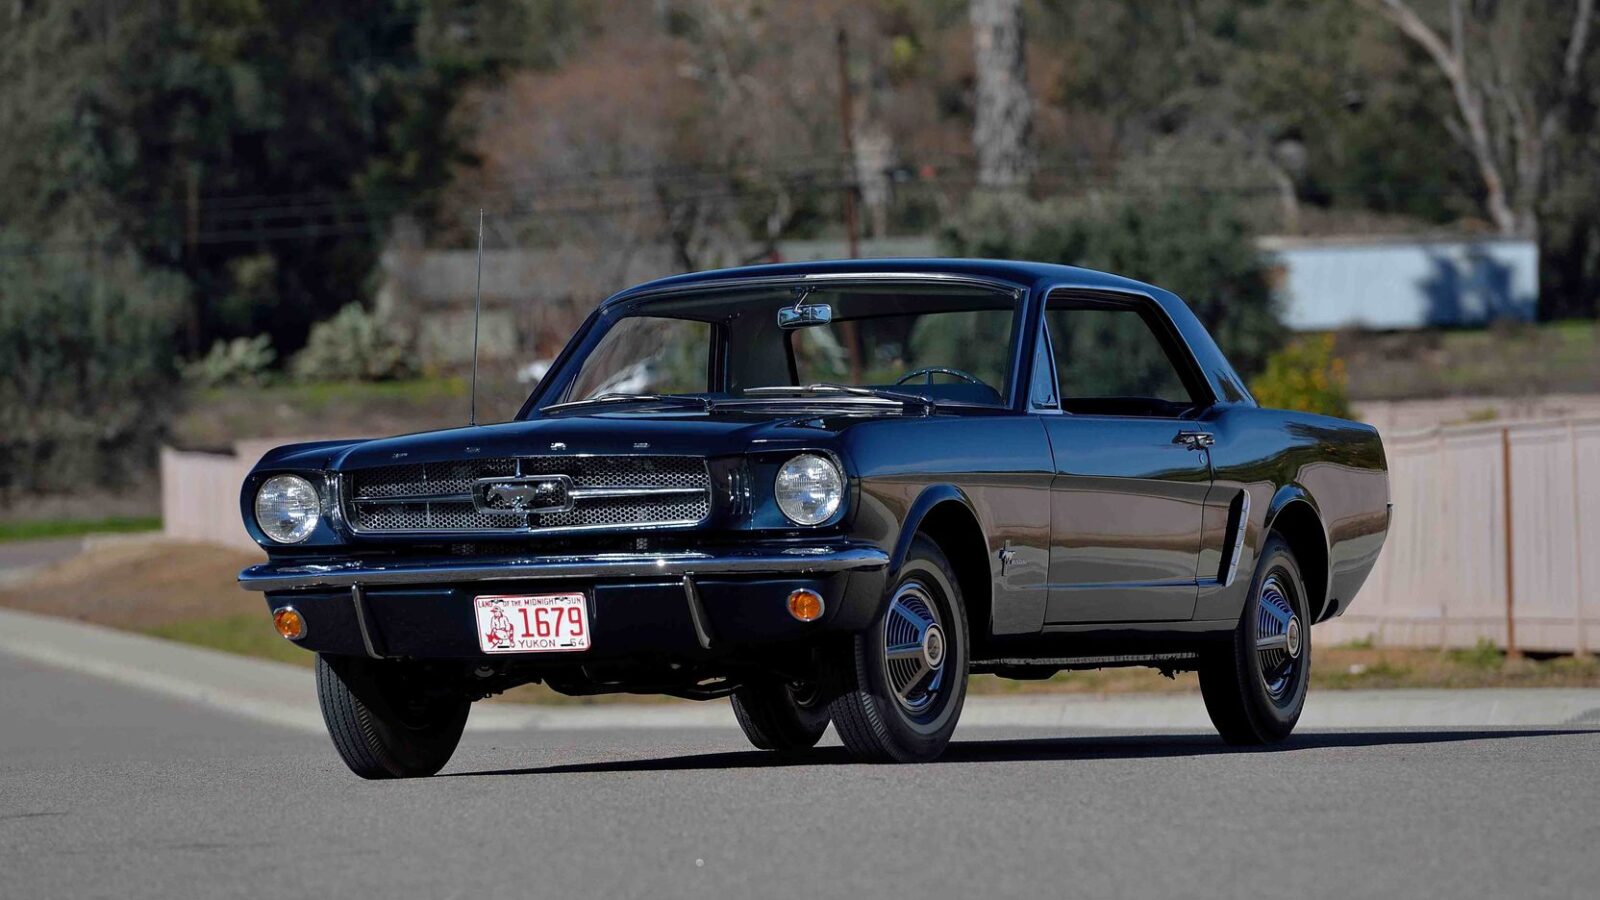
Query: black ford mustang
830, 491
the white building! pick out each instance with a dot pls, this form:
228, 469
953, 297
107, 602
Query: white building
1396, 283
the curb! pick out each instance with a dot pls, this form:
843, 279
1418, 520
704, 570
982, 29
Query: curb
285, 695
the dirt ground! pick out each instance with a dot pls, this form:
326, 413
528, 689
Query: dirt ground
186, 592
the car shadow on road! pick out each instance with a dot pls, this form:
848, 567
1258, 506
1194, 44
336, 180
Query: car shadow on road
1080, 747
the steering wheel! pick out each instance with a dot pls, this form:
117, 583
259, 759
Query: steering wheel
930, 371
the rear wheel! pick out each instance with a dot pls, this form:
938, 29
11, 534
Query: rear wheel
781, 716
906, 675
384, 720
1255, 687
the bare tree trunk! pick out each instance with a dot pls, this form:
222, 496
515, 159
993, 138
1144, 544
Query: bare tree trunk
1004, 115
1451, 58
1513, 187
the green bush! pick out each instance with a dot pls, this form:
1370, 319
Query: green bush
1201, 251
87, 368
1307, 376
356, 345
1484, 656
242, 360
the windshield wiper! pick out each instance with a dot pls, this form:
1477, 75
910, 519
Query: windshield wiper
827, 388
702, 403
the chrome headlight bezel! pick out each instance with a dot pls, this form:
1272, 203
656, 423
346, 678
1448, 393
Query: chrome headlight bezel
288, 508
809, 489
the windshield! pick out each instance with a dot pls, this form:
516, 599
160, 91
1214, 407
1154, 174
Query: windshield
947, 344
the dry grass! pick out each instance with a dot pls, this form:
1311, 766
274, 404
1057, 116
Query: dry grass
186, 592
1507, 360
137, 584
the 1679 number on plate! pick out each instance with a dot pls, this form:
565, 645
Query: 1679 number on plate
537, 623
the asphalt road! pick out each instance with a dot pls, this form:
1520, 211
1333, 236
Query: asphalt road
108, 791
18, 559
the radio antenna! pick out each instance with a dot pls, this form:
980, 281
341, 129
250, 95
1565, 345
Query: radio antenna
477, 314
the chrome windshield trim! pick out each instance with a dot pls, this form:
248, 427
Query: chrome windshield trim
783, 561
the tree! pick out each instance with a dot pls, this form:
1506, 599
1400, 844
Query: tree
260, 149
1515, 84
86, 367
1003, 117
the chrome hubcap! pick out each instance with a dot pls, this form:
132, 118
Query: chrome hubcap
933, 647
914, 648
1279, 637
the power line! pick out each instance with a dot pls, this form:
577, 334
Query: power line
288, 217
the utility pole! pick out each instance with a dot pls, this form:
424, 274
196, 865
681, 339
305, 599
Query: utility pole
191, 248
846, 129
852, 230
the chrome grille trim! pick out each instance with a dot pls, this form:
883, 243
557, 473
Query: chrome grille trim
608, 493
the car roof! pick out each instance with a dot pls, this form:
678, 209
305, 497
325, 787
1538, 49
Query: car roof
1021, 273
1219, 373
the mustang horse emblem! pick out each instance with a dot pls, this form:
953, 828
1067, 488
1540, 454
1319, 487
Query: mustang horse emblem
548, 493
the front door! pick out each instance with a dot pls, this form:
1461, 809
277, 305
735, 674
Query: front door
1132, 469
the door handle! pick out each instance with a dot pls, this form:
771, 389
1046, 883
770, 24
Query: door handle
1195, 440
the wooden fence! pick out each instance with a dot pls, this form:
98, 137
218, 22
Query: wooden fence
200, 493
1455, 569
1494, 537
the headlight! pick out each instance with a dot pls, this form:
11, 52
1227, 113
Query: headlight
809, 489
287, 508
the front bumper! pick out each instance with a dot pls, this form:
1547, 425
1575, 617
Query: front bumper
781, 560
679, 604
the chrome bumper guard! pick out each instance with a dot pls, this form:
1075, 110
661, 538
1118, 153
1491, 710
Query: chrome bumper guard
743, 561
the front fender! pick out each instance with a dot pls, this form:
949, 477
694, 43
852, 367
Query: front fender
931, 496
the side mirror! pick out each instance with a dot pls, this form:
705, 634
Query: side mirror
804, 315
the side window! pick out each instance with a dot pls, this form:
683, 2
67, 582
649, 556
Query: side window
647, 355
1110, 362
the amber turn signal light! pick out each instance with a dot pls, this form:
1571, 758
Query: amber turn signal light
289, 622
805, 605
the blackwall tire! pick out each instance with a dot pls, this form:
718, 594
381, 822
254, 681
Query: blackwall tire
1255, 686
781, 717
902, 690
381, 720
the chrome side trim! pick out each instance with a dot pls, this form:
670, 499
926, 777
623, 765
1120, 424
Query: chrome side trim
1241, 525
783, 561
1072, 661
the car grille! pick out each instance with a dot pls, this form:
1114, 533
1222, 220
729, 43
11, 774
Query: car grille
588, 493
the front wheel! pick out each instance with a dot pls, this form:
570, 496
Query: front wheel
1255, 686
386, 719
906, 675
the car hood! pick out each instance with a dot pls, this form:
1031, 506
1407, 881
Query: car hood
674, 432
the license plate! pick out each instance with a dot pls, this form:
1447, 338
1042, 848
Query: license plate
535, 623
